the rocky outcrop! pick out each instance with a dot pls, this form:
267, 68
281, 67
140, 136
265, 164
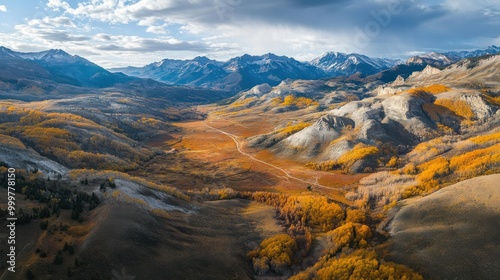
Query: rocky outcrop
370, 115
260, 90
361, 111
480, 108
388, 90
427, 72
372, 130
399, 81
406, 109
325, 130
403, 107
336, 150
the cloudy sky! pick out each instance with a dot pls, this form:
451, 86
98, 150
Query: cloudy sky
137, 32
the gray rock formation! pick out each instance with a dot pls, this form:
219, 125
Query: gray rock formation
478, 106
325, 130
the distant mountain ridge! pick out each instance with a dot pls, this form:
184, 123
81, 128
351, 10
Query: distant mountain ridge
450, 57
337, 64
58, 66
244, 72
236, 74
52, 73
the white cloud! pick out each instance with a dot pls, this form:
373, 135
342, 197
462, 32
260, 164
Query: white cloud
51, 22
157, 29
57, 5
3, 8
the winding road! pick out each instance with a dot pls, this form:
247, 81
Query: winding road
238, 147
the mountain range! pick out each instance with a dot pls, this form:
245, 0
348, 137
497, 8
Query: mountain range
57, 66
54, 70
243, 72
46, 74
450, 57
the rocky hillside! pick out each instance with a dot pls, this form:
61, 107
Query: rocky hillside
340, 118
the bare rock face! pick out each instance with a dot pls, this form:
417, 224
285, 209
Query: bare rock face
335, 122
260, 89
360, 165
399, 81
325, 130
361, 111
372, 130
387, 90
403, 112
427, 72
336, 150
480, 108
403, 107
407, 110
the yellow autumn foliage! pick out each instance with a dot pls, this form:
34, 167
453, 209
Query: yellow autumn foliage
459, 107
350, 235
478, 162
292, 101
362, 264
293, 128
482, 139
432, 171
11, 141
360, 151
432, 89
275, 254
243, 102
53, 135
310, 210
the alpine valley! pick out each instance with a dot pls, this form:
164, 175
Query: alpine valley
258, 167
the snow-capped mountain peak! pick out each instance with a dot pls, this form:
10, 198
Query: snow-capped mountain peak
447, 58
336, 63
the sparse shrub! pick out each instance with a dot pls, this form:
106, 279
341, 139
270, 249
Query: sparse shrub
383, 187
